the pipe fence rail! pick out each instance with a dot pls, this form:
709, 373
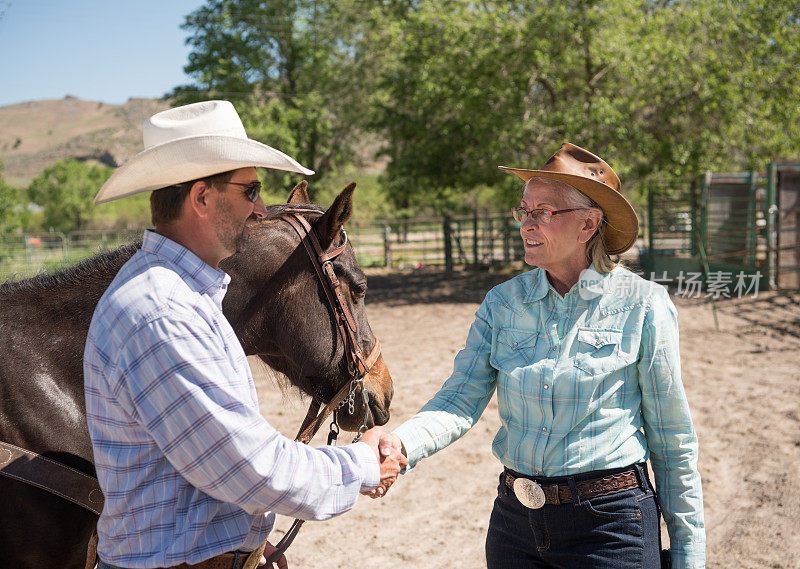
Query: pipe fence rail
481, 238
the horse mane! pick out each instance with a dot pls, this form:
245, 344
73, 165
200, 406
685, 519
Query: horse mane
101, 267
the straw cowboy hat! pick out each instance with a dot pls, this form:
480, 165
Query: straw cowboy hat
591, 176
191, 142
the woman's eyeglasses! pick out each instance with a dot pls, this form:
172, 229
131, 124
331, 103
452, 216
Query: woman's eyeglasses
253, 189
539, 215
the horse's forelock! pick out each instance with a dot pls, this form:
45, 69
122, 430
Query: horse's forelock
279, 210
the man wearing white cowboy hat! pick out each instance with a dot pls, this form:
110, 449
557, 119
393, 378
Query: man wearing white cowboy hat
177, 453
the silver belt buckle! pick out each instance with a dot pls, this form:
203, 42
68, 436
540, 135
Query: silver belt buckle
529, 493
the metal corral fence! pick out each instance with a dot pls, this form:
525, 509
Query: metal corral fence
476, 239
23, 255
481, 238
730, 232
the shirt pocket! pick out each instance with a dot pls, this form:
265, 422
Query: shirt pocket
513, 354
514, 349
597, 350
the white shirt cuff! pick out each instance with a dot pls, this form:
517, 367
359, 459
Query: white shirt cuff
369, 466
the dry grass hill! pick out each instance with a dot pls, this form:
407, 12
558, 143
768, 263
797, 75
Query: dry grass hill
35, 134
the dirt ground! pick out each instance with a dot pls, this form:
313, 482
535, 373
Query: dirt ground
743, 385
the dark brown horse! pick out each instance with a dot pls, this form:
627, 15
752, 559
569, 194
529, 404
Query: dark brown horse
275, 304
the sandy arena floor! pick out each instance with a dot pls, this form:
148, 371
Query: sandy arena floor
743, 384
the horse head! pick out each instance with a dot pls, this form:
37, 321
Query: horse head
298, 336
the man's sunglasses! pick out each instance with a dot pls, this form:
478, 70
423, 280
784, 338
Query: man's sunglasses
253, 189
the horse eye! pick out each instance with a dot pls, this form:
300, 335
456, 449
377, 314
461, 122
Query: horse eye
360, 290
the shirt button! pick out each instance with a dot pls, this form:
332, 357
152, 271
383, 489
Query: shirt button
516, 344
544, 429
546, 386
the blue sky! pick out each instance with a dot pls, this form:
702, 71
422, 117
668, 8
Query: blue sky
100, 50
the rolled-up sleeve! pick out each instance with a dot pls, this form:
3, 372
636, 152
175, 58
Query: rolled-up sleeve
175, 374
461, 400
671, 438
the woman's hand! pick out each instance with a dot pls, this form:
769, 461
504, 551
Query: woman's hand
390, 448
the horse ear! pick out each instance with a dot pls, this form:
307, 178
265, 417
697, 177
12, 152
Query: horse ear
299, 194
329, 225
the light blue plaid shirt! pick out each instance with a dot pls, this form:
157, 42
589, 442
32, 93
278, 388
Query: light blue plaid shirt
590, 381
189, 467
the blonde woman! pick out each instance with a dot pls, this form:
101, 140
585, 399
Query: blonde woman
584, 357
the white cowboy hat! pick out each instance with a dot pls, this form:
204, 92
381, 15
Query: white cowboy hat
191, 142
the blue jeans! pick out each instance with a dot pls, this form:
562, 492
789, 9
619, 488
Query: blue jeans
618, 531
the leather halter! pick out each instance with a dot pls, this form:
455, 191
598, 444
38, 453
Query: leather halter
357, 365
323, 264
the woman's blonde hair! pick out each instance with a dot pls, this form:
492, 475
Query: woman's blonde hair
596, 251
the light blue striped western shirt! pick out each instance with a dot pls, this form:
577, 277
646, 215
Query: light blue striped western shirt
588, 381
189, 467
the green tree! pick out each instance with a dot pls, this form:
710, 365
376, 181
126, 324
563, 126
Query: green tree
454, 88
7, 200
445, 102
284, 65
66, 190
13, 213
660, 88
715, 86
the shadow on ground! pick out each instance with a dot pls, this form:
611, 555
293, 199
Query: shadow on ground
430, 286
777, 311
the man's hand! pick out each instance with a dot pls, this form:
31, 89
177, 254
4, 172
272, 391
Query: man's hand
387, 448
269, 549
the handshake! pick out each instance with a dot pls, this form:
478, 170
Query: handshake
388, 449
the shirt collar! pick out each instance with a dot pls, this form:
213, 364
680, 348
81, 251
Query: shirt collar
192, 268
539, 286
590, 285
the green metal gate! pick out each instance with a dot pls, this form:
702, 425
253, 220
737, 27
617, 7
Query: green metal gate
711, 233
784, 224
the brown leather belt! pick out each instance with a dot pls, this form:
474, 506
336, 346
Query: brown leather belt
235, 560
562, 493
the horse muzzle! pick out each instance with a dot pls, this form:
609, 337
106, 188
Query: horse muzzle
379, 388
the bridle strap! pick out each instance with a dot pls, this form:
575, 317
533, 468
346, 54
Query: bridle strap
358, 366
322, 261
315, 418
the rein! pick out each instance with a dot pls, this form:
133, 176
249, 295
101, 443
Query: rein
357, 365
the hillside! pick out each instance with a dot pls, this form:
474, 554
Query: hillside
35, 134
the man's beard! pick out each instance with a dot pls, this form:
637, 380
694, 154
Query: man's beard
231, 233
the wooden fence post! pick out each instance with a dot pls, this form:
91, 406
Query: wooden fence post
448, 244
475, 236
387, 245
